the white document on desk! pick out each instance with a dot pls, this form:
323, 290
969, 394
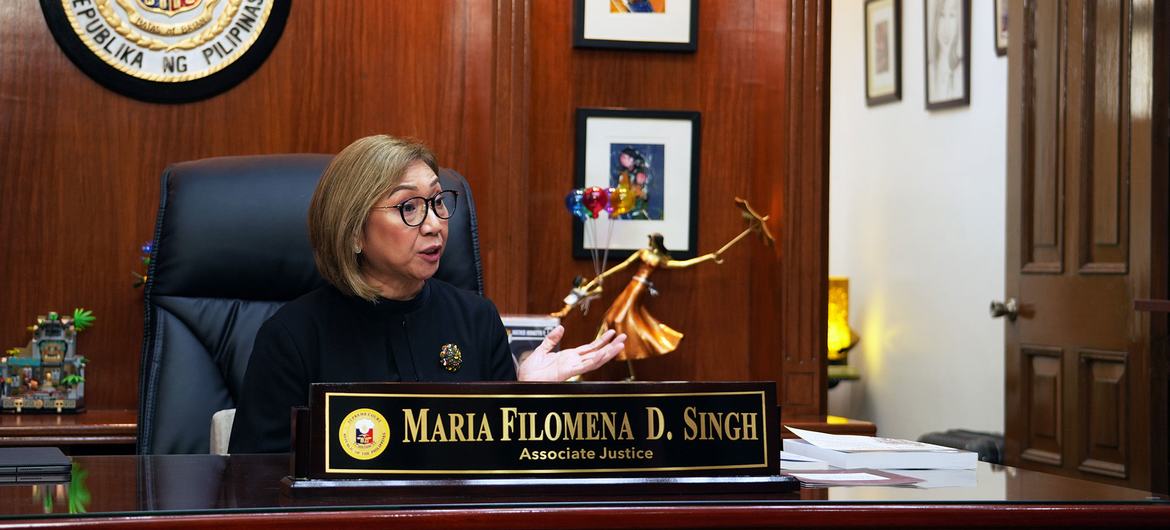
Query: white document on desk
852, 477
826, 478
854, 443
854, 452
795, 462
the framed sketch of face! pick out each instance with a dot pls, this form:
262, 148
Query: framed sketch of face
883, 51
948, 57
1001, 27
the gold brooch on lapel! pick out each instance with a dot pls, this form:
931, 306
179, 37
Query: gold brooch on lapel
450, 357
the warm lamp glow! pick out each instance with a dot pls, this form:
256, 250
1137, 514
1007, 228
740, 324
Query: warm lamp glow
841, 338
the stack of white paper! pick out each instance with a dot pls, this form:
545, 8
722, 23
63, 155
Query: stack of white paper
795, 462
856, 452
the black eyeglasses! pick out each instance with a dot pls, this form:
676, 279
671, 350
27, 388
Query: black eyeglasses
414, 210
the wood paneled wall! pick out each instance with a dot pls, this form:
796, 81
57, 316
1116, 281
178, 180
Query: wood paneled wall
80, 164
759, 80
492, 87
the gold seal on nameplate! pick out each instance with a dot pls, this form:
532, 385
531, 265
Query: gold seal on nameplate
451, 357
364, 434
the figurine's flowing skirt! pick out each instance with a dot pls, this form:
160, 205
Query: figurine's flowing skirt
645, 335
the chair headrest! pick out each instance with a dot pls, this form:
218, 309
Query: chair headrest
235, 227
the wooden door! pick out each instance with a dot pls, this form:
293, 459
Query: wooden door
1085, 238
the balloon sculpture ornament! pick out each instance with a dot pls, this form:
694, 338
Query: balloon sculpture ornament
646, 336
587, 204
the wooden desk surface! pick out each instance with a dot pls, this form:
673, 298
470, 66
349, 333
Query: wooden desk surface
244, 491
90, 428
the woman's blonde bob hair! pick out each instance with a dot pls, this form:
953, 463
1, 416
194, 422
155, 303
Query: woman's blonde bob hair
356, 180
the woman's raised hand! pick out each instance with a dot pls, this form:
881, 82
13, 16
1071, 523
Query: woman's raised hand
543, 364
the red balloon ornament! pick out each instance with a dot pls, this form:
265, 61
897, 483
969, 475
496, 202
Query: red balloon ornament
595, 200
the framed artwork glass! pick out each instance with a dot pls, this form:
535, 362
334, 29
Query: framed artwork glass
655, 155
1001, 27
947, 27
664, 25
883, 51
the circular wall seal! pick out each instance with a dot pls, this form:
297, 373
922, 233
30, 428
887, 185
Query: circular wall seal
364, 434
167, 51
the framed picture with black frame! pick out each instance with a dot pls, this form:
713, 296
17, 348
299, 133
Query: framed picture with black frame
1001, 27
654, 156
947, 30
883, 51
656, 25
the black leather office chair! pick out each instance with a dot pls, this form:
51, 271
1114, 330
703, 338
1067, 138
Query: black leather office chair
230, 247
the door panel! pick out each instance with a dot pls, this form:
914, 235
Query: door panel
1043, 387
1104, 394
1043, 184
1104, 186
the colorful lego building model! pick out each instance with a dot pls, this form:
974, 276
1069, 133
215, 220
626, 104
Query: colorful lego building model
47, 375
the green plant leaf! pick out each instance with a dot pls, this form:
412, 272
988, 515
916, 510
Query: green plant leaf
82, 319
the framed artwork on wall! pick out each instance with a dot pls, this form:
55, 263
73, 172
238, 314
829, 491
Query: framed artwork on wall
654, 156
1001, 27
947, 28
883, 51
661, 25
